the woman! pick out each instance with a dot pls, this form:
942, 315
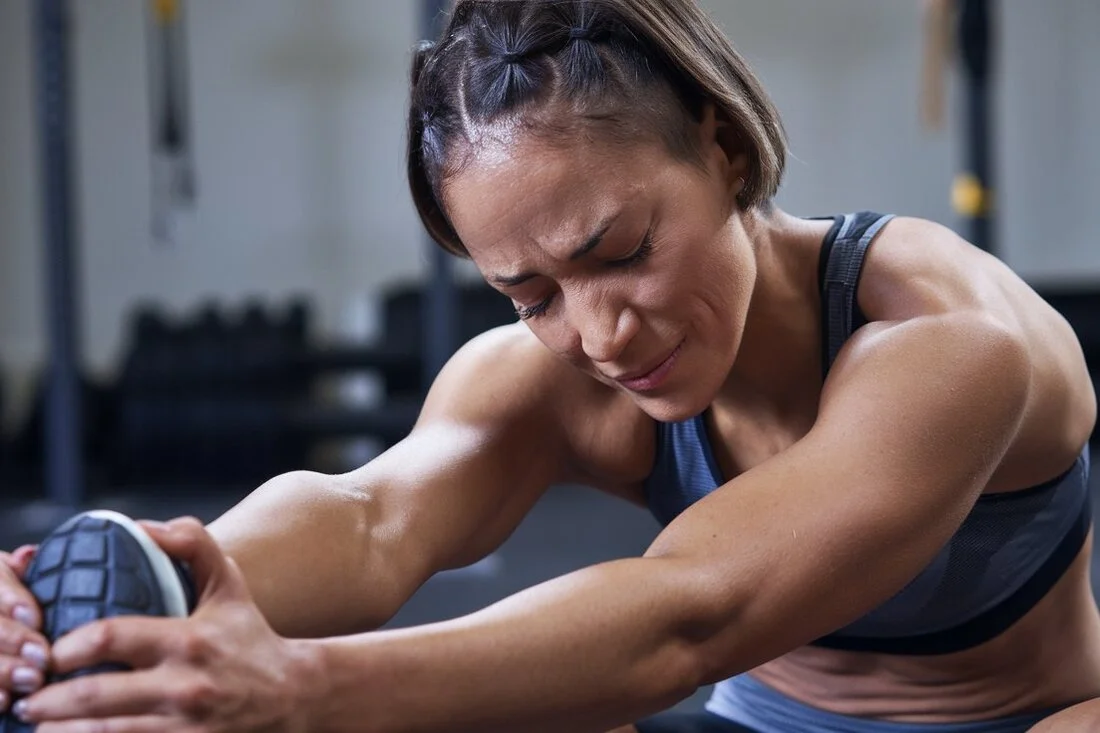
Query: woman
866, 440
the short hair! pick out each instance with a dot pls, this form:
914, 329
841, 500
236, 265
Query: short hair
630, 67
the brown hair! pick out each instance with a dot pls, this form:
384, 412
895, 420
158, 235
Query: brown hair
631, 66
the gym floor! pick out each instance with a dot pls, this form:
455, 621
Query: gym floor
570, 528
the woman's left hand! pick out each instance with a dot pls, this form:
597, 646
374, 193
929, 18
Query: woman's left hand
222, 669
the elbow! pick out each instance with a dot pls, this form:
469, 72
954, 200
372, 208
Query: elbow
666, 678
705, 644
715, 649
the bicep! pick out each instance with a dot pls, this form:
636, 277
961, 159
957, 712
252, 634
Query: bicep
911, 426
450, 493
483, 451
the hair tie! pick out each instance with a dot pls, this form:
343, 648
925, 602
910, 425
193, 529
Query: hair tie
511, 57
580, 34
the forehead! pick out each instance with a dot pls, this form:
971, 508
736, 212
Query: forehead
518, 193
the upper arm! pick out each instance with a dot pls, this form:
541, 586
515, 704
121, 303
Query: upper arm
486, 446
913, 421
339, 554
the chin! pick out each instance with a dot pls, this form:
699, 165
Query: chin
682, 399
676, 406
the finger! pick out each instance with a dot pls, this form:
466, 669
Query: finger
18, 640
19, 560
134, 641
106, 695
20, 678
16, 601
144, 724
186, 539
24, 657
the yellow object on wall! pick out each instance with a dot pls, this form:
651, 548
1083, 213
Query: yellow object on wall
969, 197
165, 11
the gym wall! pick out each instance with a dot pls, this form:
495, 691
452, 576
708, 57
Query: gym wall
298, 118
845, 74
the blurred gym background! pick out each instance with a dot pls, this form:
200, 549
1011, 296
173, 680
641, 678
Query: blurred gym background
211, 271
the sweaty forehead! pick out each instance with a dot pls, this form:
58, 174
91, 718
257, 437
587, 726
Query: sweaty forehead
516, 195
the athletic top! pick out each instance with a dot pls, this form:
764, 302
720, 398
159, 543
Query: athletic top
1009, 551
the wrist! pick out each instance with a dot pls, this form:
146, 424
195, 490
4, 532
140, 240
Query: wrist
309, 689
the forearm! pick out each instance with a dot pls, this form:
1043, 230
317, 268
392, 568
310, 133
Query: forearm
587, 652
306, 545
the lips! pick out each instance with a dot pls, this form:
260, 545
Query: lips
648, 381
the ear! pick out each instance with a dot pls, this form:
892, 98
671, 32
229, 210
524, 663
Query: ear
722, 148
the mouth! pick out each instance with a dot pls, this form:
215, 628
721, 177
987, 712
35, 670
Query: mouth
655, 377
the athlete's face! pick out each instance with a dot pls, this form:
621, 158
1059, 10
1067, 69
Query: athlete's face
628, 263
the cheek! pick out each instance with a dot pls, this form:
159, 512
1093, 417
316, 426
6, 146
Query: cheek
557, 335
699, 279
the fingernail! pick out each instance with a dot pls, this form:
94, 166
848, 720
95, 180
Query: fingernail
25, 680
20, 709
24, 615
35, 654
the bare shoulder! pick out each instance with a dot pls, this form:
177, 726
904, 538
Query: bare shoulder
506, 379
919, 270
503, 374
918, 267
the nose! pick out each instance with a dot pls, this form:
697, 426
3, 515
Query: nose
605, 328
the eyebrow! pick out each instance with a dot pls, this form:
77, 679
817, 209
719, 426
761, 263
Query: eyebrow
590, 243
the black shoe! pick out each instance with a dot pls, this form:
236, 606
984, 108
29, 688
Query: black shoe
99, 565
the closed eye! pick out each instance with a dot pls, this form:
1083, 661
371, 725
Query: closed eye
637, 256
645, 248
526, 313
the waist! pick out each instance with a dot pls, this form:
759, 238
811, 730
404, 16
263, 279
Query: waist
751, 703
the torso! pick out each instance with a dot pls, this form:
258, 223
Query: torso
1049, 658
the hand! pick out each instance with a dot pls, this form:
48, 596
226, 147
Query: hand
222, 669
24, 652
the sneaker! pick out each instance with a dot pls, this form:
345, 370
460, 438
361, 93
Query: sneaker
98, 565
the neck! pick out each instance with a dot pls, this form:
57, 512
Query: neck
778, 363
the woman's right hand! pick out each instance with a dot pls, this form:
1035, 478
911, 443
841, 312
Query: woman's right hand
24, 652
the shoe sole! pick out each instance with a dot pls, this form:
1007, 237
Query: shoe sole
177, 603
102, 564
98, 565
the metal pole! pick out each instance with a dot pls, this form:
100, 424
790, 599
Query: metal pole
974, 199
441, 303
63, 456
